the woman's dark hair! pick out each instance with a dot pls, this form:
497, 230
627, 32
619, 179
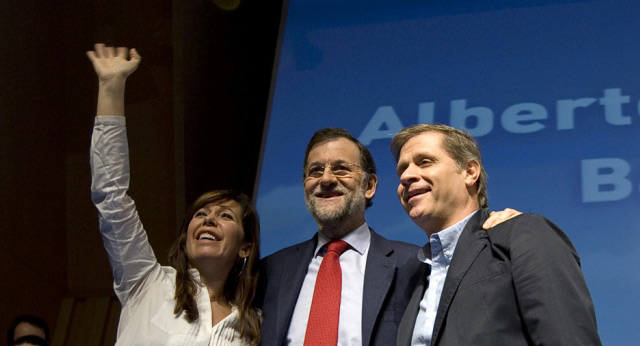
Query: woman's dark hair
242, 281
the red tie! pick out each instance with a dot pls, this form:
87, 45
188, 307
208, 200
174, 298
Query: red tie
322, 328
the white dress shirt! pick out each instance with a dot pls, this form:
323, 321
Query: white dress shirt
352, 263
437, 253
144, 287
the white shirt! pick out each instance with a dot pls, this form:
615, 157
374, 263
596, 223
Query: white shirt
352, 263
144, 287
437, 253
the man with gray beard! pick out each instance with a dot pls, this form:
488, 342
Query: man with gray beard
378, 275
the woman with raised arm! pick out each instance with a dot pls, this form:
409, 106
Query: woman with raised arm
206, 296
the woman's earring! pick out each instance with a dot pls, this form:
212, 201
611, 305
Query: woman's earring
244, 263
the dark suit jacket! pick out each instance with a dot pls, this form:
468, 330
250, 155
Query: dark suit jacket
519, 283
390, 276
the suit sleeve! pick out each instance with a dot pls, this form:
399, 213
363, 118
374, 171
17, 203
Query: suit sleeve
551, 291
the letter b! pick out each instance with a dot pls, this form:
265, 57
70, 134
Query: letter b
460, 114
609, 173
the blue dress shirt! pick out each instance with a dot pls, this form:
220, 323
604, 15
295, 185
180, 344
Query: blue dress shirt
437, 253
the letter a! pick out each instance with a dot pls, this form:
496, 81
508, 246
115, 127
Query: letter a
383, 125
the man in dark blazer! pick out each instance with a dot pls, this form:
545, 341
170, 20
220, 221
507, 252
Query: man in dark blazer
339, 181
518, 284
382, 308
378, 278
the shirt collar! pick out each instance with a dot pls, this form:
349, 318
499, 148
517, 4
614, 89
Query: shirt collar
443, 242
358, 239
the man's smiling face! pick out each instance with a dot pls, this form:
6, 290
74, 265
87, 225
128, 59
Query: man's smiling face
335, 199
433, 189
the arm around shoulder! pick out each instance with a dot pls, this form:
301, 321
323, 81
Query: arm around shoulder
552, 293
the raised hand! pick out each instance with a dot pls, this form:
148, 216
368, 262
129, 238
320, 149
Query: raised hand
113, 66
113, 63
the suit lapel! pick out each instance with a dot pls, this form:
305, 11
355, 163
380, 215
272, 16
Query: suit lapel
408, 322
378, 277
292, 275
466, 251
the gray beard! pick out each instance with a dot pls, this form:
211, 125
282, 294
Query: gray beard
335, 218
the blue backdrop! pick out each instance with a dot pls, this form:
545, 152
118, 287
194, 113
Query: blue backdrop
550, 89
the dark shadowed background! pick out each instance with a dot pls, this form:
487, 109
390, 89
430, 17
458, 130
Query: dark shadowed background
195, 115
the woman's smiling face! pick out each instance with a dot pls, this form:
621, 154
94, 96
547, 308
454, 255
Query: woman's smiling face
215, 231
